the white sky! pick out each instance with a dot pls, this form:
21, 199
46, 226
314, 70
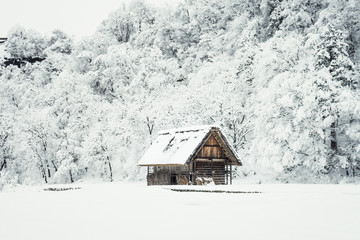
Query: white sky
75, 17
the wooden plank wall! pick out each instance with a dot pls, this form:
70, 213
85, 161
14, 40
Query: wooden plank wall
211, 149
216, 171
210, 161
159, 178
168, 175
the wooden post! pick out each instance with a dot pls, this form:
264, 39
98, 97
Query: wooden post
147, 176
170, 174
230, 174
189, 175
226, 174
194, 170
212, 171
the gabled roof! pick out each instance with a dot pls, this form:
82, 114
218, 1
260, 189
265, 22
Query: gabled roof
180, 146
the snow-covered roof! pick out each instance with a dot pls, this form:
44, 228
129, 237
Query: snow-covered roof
179, 146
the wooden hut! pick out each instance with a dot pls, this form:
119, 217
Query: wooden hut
190, 156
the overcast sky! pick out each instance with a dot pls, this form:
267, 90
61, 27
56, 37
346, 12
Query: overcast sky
75, 17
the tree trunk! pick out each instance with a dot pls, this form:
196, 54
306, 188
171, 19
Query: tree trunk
44, 174
54, 166
3, 165
150, 125
48, 171
71, 178
333, 143
110, 169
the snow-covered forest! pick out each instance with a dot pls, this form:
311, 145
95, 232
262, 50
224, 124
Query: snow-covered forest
279, 76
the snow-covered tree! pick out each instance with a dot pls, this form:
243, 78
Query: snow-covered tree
24, 44
120, 25
332, 56
279, 76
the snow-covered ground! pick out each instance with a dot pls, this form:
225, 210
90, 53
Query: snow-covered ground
135, 211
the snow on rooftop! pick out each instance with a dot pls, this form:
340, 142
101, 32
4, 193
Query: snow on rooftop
188, 129
174, 146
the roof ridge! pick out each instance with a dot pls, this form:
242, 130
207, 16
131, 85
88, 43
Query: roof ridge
188, 129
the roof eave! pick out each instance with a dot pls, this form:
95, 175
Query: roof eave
235, 158
158, 164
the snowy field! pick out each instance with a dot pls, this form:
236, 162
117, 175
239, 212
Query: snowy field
135, 211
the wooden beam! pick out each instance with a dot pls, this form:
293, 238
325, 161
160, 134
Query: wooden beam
224, 145
208, 159
160, 165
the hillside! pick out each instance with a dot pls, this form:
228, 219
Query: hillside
279, 76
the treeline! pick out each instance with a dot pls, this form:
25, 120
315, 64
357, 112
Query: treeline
279, 76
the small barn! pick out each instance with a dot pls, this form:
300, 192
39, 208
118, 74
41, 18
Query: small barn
190, 156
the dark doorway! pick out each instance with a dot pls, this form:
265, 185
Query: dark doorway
173, 179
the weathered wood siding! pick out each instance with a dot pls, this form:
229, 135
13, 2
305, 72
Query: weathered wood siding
159, 178
168, 175
210, 161
215, 170
211, 149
